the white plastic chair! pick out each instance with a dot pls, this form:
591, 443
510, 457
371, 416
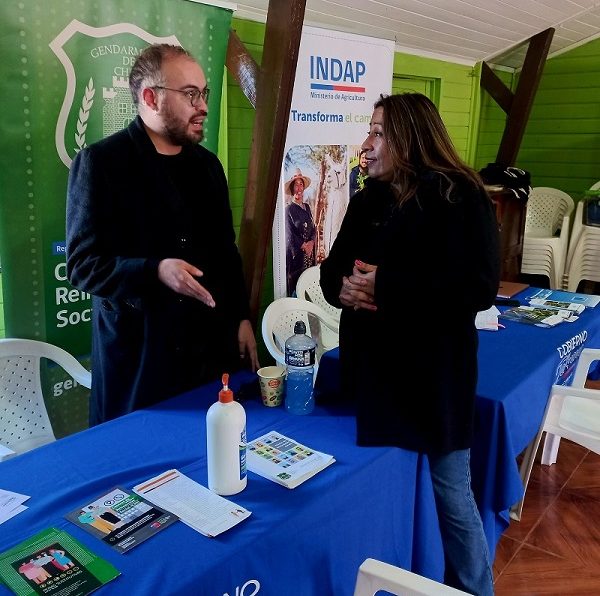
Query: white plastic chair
279, 320
545, 252
309, 288
572, 412
24, 422
376, 575
583, 257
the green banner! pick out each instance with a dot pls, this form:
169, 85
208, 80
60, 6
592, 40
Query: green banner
64, 73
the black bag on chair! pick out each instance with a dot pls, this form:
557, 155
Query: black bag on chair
515, 179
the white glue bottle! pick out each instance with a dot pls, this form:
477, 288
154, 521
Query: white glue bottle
226, 444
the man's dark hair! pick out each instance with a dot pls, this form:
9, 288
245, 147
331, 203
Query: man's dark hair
146, 71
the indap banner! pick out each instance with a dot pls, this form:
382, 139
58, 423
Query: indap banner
338, 79
65, 67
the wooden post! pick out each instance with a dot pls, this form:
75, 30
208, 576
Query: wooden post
518, 105
273, 100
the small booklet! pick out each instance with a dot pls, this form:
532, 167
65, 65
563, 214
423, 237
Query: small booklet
53, 562
588, 300
508, 289
281, 459
542, 317
201, 509
121, 519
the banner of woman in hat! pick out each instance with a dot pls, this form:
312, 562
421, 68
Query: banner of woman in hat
316, 196
301, 231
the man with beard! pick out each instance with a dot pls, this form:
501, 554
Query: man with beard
150, 236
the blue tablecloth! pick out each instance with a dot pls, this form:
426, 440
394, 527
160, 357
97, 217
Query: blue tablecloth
517, 366
373, 502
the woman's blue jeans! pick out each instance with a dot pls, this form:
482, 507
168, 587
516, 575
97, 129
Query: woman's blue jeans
466, 551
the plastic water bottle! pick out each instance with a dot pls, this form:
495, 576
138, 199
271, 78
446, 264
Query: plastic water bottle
226, 444
300, 361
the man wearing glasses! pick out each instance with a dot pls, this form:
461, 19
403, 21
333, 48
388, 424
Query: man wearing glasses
150, 236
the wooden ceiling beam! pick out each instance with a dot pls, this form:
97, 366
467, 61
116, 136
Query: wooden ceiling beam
518, 105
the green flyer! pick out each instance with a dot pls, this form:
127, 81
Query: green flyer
53, 562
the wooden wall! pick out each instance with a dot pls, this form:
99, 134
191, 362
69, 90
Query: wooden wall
561, 147
454, 88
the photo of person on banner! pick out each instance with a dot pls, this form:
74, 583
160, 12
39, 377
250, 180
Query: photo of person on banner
315, 192
359, 173
300, 230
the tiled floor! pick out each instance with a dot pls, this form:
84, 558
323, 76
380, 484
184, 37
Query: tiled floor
555, 548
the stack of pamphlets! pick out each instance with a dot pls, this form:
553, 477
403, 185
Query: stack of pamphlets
195, 505
281, 459
549, 297
541, 317
548, 308
53, 562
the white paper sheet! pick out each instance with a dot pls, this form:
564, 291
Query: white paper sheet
10, 504
195, 505
5, 452
488, 319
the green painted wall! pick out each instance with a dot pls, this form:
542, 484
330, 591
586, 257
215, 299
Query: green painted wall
454, 88
240, 119
561, 147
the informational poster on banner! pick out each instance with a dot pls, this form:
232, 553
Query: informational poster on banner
65, 69
338, 79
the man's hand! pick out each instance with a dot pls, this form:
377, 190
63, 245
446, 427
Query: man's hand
358, 290
247, 344
180, 277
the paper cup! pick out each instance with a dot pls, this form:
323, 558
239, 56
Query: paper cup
271, 385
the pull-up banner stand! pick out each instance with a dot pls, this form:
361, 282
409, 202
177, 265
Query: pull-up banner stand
65, 67
338, 79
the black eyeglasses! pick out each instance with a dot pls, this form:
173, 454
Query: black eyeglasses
194, 95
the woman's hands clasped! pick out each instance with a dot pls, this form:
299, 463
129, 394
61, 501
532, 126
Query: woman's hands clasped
358, 290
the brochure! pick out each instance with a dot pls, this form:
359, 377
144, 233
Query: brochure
201, 509
281, 459
53, 562
555, 305
121, 519
588, 300
542, 317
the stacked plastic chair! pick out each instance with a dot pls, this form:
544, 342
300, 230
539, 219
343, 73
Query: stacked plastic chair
546, 234
583, 259
278, 325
